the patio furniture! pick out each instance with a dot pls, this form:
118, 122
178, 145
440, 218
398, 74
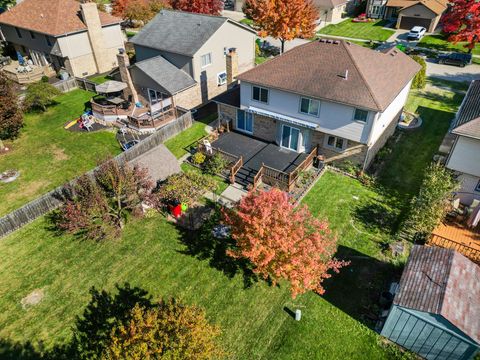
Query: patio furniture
208, 146
115, 100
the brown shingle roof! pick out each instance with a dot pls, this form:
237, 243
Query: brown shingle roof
317, 69
52, 17
437, 6
442, 281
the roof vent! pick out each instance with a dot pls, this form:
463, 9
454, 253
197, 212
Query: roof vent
336, 42
329, 41
345, 75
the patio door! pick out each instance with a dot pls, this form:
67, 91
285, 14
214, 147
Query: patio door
290, 137
244, 121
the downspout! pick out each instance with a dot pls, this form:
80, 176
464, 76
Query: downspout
375, 118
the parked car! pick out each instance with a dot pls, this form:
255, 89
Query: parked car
416, 33
457, 59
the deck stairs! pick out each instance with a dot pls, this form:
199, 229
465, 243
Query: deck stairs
245, 176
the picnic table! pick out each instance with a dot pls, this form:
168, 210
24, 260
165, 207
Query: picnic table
116, 100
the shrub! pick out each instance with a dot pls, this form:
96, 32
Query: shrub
40, 95
430, 206
216, 164
348, 166
420, 80
44, 79
186, 188
198, 158
11, 117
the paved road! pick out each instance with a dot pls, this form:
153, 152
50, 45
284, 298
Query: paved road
453, 73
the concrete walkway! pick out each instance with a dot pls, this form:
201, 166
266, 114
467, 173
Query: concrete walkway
231, 195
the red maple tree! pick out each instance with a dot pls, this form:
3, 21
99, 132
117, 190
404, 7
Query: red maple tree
283, 19
283, 242
462, 22
211, 7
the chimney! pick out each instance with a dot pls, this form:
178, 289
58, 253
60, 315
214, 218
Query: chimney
91, 18
123, 64
232, 65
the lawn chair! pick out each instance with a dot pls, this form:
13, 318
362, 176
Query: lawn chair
207, 146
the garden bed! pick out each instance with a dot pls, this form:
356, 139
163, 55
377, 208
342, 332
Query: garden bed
409, 121
9, 176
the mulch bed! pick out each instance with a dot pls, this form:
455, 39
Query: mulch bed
95, 127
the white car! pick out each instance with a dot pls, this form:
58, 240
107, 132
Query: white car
416, 33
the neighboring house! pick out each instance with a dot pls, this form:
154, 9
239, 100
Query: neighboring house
344, 98
63, 34
436, 310
185, 56
408, 13
464, 157
330, 11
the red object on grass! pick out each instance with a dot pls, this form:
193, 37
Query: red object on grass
177, 210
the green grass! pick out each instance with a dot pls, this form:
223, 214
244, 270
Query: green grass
221, 183
151, 255
439, 42
180, 144
367, 31
47, 155
248, 22
260, 59
100, 79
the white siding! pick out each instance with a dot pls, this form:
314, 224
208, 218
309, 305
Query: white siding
465, 156
389, 115
468, 184
227, 36
334, 118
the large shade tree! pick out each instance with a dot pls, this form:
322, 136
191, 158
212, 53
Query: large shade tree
211, 7
462, 22
282, 241
283, 19
11, 116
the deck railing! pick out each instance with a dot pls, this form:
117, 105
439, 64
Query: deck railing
472, 253
103, 109
235, 168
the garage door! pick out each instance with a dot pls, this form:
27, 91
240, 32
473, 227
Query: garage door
409, 22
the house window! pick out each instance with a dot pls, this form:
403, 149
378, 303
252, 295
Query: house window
206, 59
309, 106
32, 34
221, 78
155, 96
260, 94
49, 42
477, 188
225, 51
244, 121
336, 143
19, 33
360, 115
290, 137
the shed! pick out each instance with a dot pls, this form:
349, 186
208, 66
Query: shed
436, 310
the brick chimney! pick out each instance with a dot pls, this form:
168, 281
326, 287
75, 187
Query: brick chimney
91, 18
232, 65
123, 64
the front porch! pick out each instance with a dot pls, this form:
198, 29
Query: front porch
260, 161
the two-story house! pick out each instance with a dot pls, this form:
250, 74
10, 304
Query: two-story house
64, 34
464, 157
340, 97
185, 56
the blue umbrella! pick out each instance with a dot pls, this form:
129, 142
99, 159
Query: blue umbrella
20, 58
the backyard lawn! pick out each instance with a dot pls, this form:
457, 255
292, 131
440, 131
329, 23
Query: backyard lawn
47, 155
438, 42
368, 31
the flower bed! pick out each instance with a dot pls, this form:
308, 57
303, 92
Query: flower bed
9, 176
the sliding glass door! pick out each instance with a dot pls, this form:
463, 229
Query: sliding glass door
290, 137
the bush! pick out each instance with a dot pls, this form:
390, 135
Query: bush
40, 95
186, 188
430, 206
348, 166
11, 117
198, 158
420, 80
216, 164
44, 79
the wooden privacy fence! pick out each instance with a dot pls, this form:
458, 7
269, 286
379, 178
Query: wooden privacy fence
53, 199
66, 85
86, 84
469, 252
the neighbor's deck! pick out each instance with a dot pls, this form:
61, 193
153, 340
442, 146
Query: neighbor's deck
256, 152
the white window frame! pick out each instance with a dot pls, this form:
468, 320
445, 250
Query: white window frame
299, 140
157, 99
219, 81
361, 121
334, 147
309, 105
204, 56
236, 121
260, 94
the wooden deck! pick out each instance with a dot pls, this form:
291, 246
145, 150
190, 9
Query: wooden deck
458, 237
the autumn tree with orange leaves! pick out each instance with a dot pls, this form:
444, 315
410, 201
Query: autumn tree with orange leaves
462, 22
283, 19
283, 242
211, 7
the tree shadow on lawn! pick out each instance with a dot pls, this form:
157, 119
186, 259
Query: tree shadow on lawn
202, 245
357, 288
91, 331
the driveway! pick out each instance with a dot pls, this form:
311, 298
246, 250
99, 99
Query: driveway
289, 45
453, 73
